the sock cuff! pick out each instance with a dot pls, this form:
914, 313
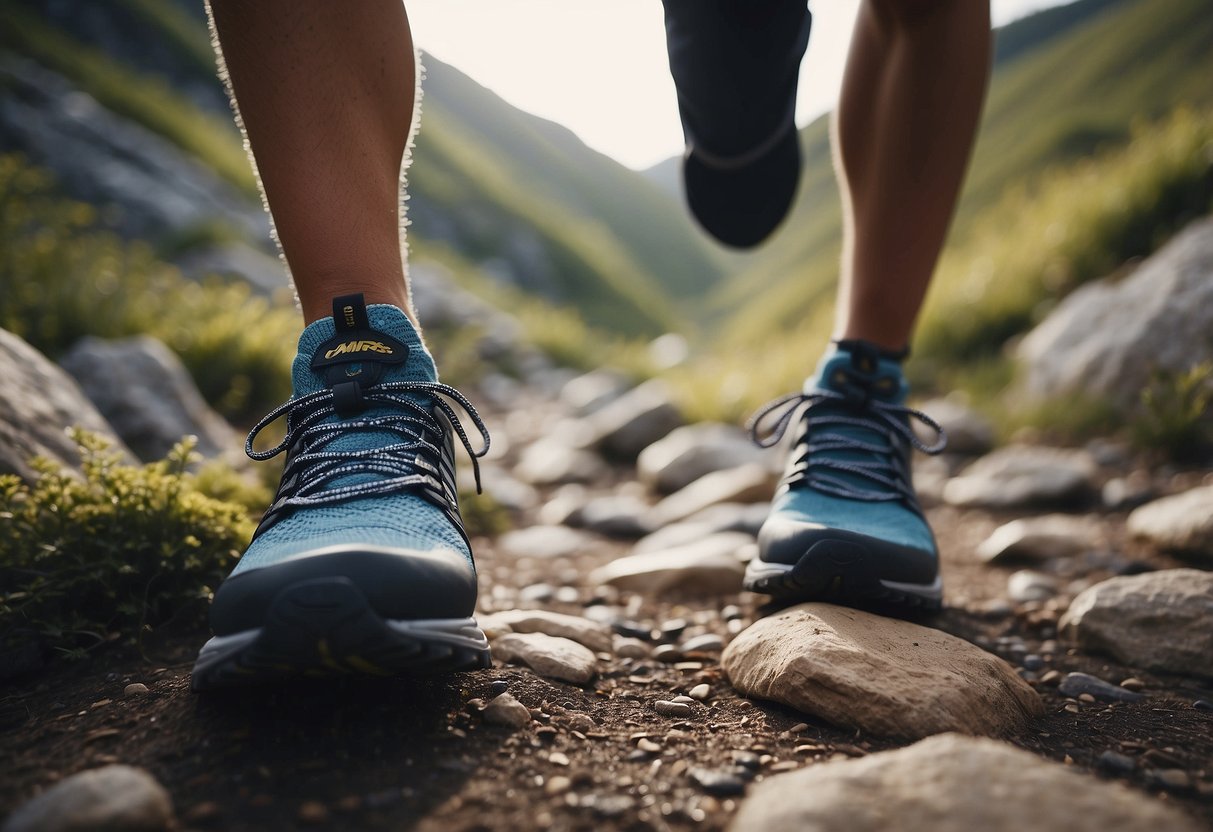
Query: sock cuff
859, 345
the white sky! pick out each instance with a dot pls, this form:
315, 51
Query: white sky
599, 66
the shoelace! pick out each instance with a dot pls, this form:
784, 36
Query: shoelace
309, 473
818, 469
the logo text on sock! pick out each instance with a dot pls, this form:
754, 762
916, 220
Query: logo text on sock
359, 346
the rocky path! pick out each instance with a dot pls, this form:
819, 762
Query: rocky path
635, 687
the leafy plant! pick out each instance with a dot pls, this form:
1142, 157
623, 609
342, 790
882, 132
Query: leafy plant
116, 550
1177, 413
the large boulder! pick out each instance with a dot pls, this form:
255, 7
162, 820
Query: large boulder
693, 451
950, 783
1108, 339
876, 674
147, 395
38, 403
632, 422
1159, 621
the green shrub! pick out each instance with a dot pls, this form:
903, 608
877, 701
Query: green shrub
117, 550
1176, 414
64, 279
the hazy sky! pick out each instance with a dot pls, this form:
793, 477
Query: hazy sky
599, 66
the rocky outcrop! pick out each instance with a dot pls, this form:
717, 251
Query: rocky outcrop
950, 783
881, 675
1109, 339
147, 395
1159, 620
38, 403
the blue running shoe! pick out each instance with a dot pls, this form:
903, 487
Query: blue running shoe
361, 565
845, 525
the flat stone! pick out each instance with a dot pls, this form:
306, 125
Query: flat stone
596, 636
1027, 585
1159, 621
114, 798
38, 403
504, 709
881, 675
629, 424
706, 643
615, 515
746, 484
550, 461
545, 542
722, 517
589, 393
708, 567
1039, 538
630, 648
1076, 684
719, 783
550, 656
1022, 475
692, 451
1181, 524
667, 708
950, 783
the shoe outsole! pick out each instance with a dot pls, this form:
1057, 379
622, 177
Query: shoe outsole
843, 572
326, 627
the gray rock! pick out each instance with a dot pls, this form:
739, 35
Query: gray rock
1181, 523
552, 462
637, 419
1039, 538
723, 517
615, 515
504, 709
146, 394
110, 799
1160, 621
668, 708
592, 634
551, 656
719, 783
706, 643
1027, 585
104, 159
748, 484
950, 783
38, 403
710, 567
1076, 684
967, 430
691, 451
545, 542
878, 675
591, 392
1022, 475
236, 259
1109, 339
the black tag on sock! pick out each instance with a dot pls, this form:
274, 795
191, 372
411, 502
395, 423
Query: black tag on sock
356, 343
349, 313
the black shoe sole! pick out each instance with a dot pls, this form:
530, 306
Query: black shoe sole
840, 572
326, 627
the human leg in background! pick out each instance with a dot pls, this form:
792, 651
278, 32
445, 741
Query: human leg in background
361, 564
845, 524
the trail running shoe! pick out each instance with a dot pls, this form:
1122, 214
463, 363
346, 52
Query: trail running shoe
361, 564
845, 525
736, 65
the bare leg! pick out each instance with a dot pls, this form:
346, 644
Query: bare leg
326, 95
915, 80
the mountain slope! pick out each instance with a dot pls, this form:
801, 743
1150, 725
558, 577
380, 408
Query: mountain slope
516, 195
1055, 98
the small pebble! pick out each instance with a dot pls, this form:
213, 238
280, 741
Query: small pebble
1173, 778
135, 689
498, 687
683, 700
719, 783
313, 813
631, 629
1076, 684
537, 593
673, 628
1032, 662
631, 648
667, 653
747, 759
558, 759
558, 785
506, 710
666, 708
730, 611
1203, 705
700, 692
706, 643
1133, 683
648, 746
580, 722
1050, 677
1115, 763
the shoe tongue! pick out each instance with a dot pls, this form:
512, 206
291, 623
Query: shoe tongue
861, 373
364, 344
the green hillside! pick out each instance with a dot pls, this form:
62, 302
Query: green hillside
516, 195
1054, 98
